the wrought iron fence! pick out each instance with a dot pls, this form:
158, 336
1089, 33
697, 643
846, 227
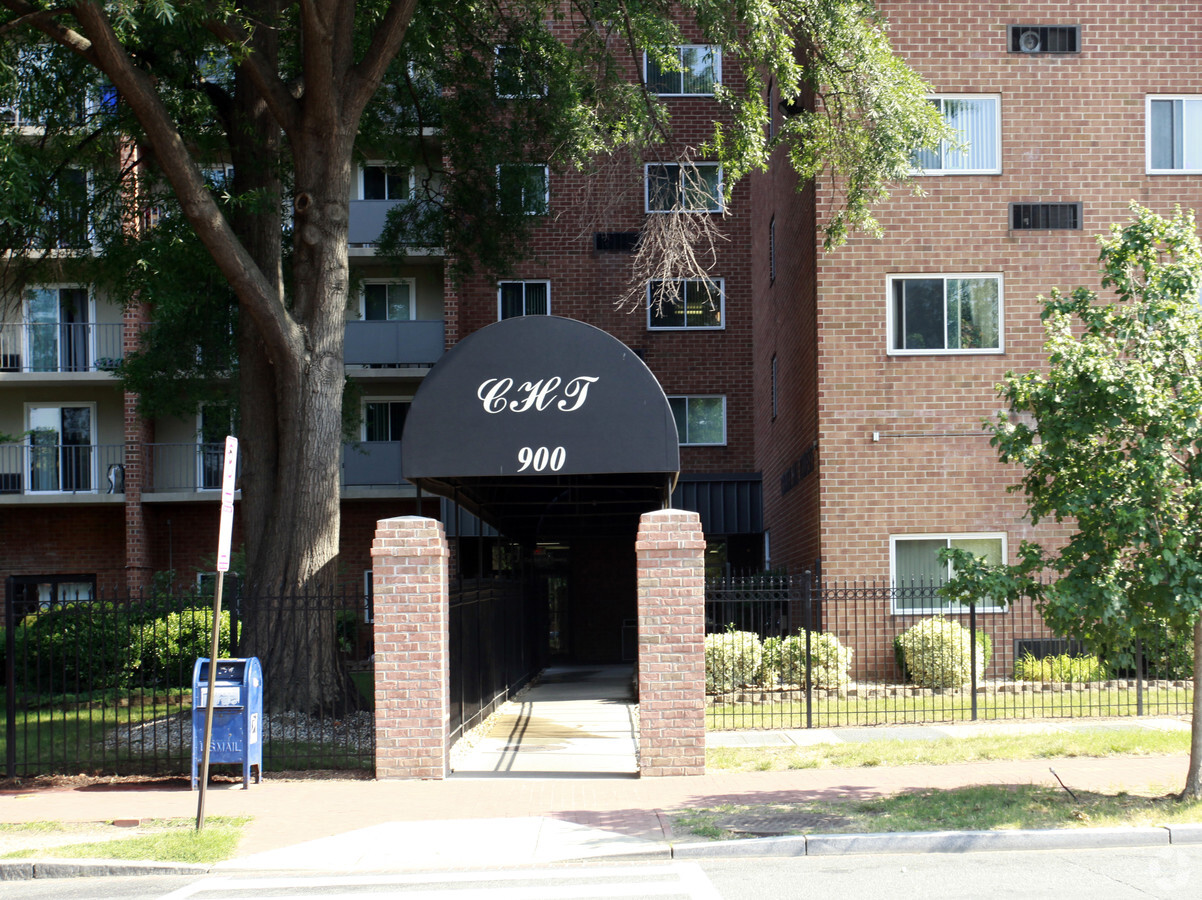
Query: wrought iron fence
782, 652
104, 685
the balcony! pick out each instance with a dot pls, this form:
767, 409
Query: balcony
372, 464
66, 348
185, 468
367, 218
394, 344
47, 470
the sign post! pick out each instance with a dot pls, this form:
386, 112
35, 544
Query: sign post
223, 564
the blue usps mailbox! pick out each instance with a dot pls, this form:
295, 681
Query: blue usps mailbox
237, 715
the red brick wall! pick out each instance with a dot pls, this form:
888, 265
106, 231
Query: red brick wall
65, 540
1072, 130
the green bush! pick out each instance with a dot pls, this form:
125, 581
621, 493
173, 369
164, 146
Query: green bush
1059, 668
732, 659
984, 654
74, 648
937, 652
785, 660
169, 646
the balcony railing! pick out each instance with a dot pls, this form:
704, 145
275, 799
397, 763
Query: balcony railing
371, 463
51, 347
367, 218
37, 468
41, 469
185, 467
412, 343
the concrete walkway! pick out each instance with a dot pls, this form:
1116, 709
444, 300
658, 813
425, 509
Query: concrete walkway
577, 721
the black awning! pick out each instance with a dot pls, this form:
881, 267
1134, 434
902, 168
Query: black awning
542, 425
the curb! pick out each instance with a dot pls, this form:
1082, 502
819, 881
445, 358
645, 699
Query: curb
943, 842
26, 870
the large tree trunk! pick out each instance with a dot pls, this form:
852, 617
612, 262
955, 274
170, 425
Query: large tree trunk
1193, 778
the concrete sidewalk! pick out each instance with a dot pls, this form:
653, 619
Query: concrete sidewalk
466, 822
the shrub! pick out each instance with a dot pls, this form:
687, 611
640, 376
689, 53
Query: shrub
1059, 668
785, 660
936, 653
984, 654
74, 648
169, 646
732, 659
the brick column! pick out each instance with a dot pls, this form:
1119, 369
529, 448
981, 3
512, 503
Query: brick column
139, 433
671, 588
412, 650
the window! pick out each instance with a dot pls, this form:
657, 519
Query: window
917, 572
61, 443
1045, 39
512, 76
699, 420
685, 304
976, 121
213, 424
1045, 216
524, 189
672, 187
382, 182
698, 68
65, 223
523, 298
1174, 134
32, 593
386, 301
384, 420
945, 313
57, 332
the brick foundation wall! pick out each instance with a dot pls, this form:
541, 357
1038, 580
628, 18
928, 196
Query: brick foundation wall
412, 649
671, 668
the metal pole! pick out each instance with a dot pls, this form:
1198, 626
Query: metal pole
805, 586
10, 679
972, 652
204, 760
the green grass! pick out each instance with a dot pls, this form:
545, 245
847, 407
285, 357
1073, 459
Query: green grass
953, 706
1099, 743
169, 840
978, 808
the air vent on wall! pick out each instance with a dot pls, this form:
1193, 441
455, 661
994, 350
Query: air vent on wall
1045, 216
1045, 38
615, 241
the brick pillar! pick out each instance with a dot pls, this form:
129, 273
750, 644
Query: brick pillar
671, 587
412, 647
138, 434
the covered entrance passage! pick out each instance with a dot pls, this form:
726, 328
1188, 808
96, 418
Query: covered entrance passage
556, 436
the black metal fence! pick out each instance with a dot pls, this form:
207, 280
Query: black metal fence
782, 652
104, 686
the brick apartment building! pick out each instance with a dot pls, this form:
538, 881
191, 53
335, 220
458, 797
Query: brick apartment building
830, 416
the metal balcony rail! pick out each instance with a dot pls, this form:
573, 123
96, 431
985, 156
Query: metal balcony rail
54, 347
399, 344
371, 463
185, 467
33, 467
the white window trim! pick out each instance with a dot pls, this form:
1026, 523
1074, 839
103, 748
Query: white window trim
717, 50
388, 398
997, 146
894, 539
93, 425
1148, 170
721, 202
721, 326
944, 351
409, 282
688, 397
410, 188
546, 187
523, 281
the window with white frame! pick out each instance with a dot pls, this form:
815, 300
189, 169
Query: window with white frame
976, 149
61, 447
58, 328
945, 313
386, 300
1174, 134
384, 418
523, 298
673, 187
699, 420
524, 189
917, 572
685, 303
512, 76
378, 181
695, 71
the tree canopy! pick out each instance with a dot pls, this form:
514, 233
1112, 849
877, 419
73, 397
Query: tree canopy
1109, 441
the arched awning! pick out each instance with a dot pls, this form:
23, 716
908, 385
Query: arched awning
544, 427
